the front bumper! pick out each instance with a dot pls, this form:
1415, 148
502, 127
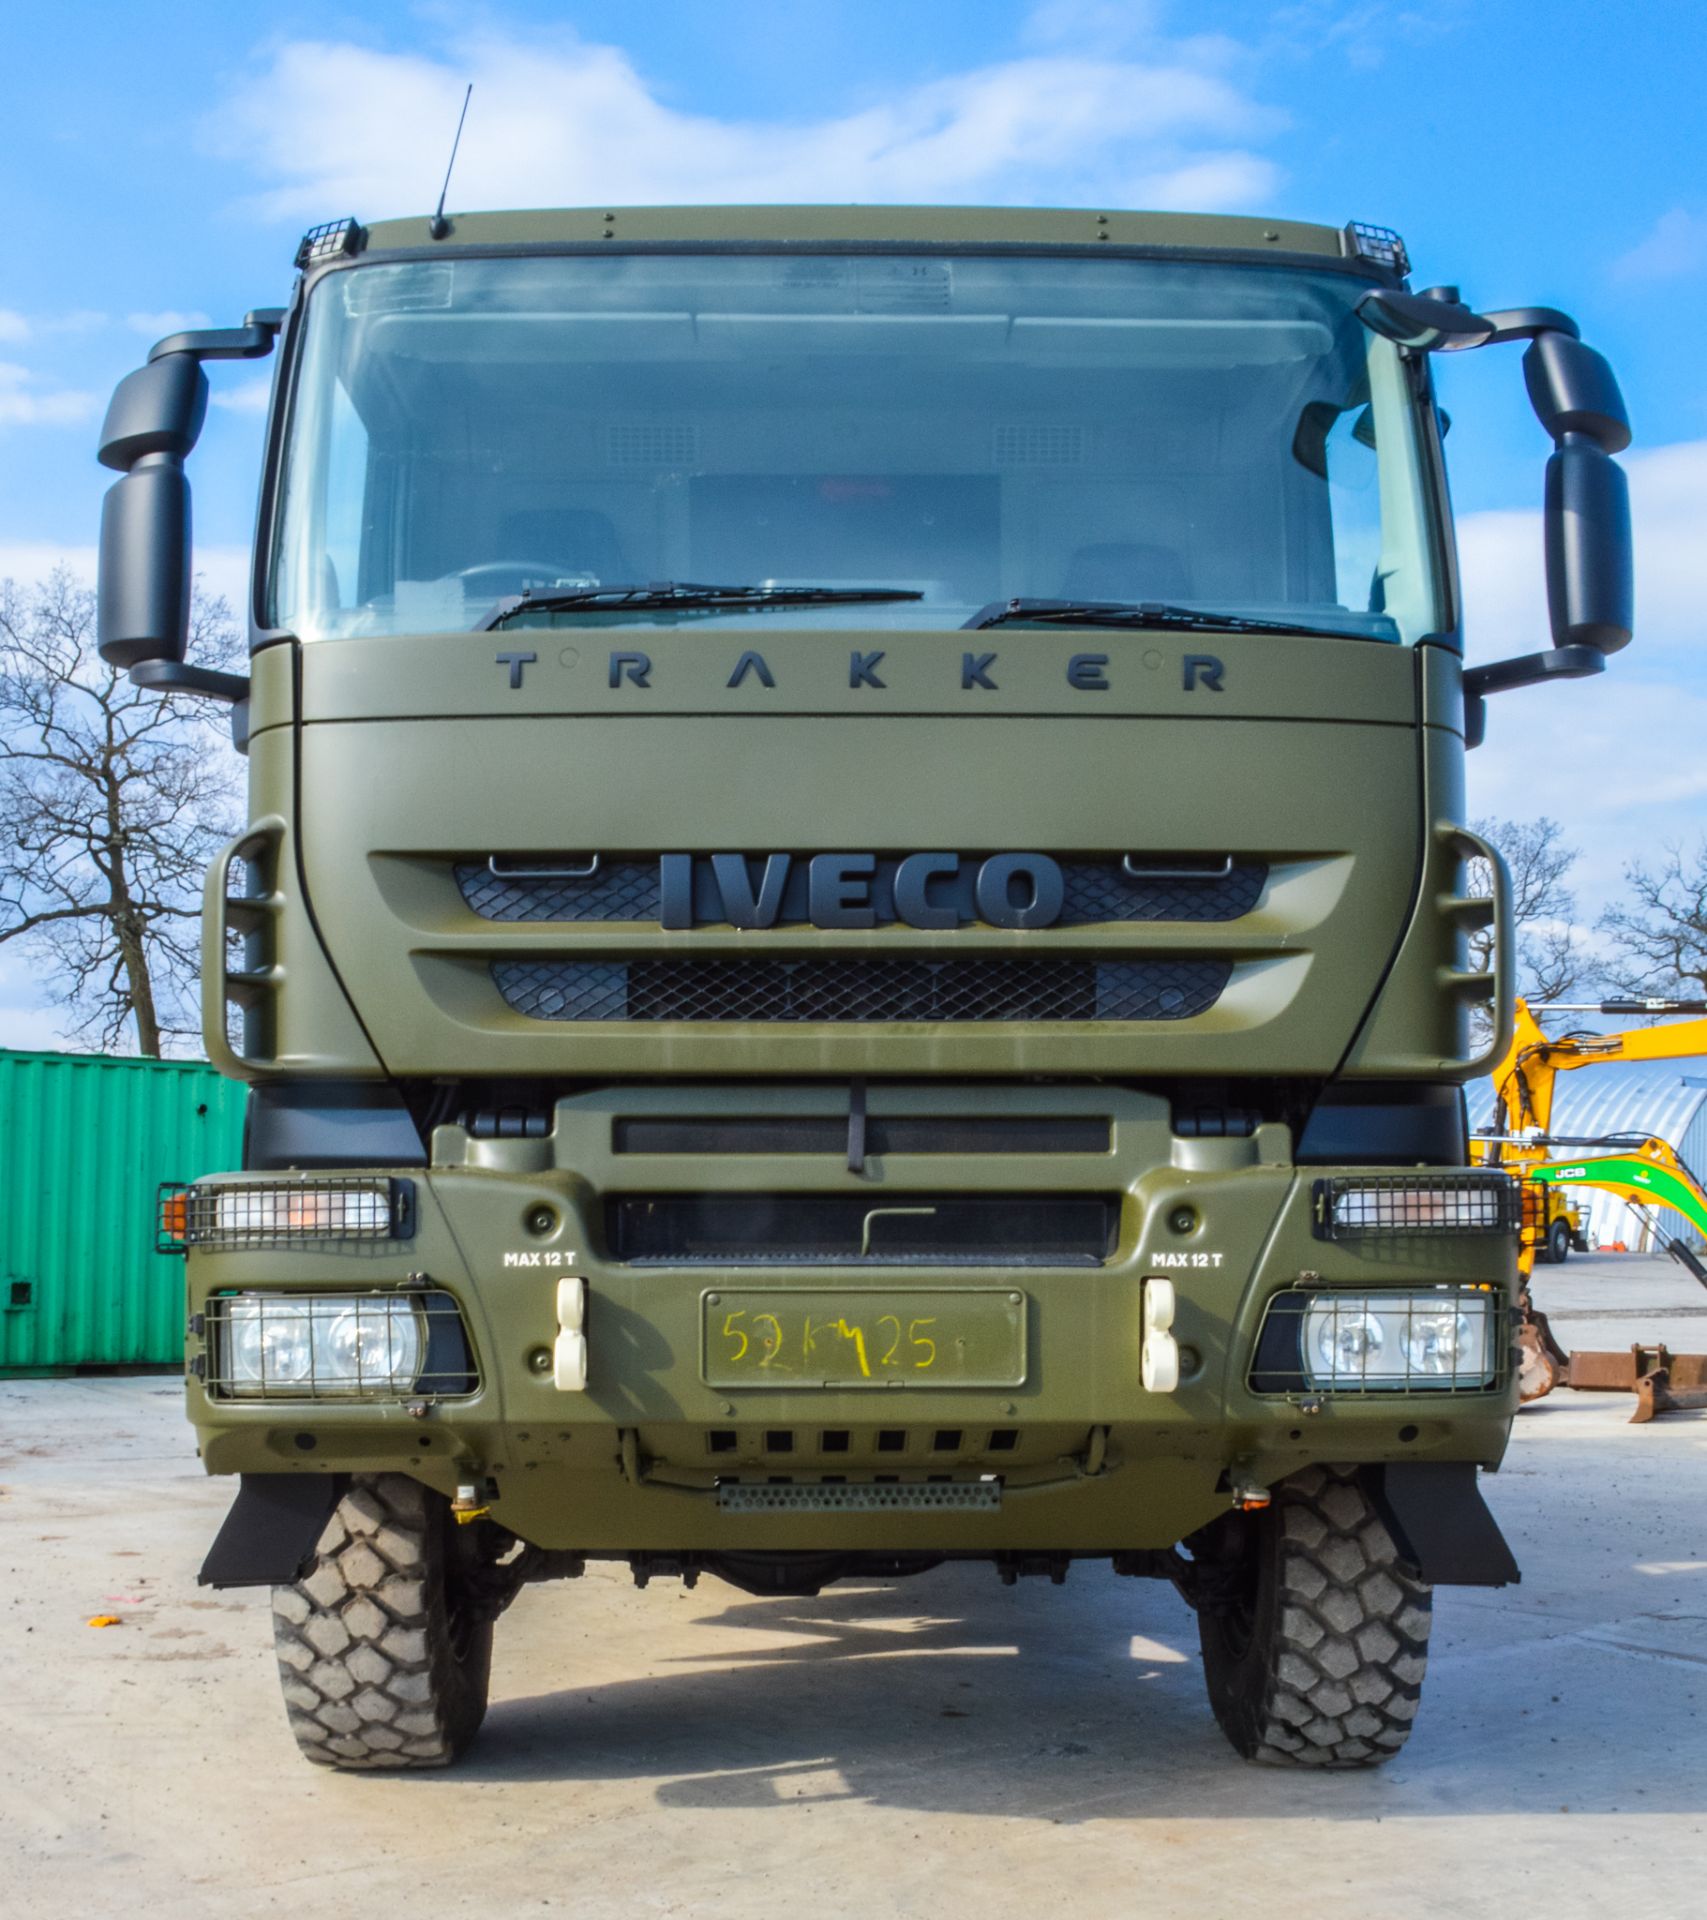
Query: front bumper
1081, 1457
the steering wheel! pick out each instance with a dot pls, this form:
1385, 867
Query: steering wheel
495, 576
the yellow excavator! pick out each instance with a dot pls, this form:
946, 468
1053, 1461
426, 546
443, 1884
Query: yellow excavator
1641, 1169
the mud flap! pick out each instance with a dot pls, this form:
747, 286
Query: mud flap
273, 1527
1436, 1513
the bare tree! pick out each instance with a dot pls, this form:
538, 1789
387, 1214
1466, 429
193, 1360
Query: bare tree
1551, 958
1659, 933
112, 801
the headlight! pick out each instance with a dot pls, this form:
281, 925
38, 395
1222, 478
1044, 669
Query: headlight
1389, 1341
1416, 1203
1445, 1342
318, 1208
271, 1342
288, 1210
1399, 1339
1345, 1342
296, 1346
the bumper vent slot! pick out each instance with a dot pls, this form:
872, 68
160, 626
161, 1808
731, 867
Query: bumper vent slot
851, 1230
828, 1133
838, 991
953, 1496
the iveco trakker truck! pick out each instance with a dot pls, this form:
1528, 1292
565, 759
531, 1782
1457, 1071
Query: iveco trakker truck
850, 947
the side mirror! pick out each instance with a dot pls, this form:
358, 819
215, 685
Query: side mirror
143, 597
1590, 555
154, 420
1589, 549
1591, 587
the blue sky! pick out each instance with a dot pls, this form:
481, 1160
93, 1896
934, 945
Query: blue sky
160, 162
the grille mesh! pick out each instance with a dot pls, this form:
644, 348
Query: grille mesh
1097, 891
620, 890
860, 990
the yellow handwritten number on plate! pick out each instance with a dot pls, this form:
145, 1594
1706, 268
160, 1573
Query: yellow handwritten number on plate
773, 1343
857, 1336
919, 1340
888, 1359
733, 1332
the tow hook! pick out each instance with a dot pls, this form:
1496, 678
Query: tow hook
1249, 1494
468, 1506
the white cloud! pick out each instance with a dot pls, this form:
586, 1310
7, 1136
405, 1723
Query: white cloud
222, 570
1097, 23
155, 326
558, 121
1676, 244
27, 561
25, 402
13, 326
251, 397
31, 1029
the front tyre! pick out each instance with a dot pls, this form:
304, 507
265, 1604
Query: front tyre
1315, 1632
383, 1653
1559, 1243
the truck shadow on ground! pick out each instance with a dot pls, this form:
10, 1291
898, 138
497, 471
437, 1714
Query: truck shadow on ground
949, 1694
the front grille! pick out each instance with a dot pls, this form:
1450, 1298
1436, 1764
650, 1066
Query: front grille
522, 887
851, 1229
837, 991
617, 890
1101, 890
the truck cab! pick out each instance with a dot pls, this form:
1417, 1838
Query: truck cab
850, 945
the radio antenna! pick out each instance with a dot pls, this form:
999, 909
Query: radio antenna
439, 226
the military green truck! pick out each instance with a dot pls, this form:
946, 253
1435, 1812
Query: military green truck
850, 949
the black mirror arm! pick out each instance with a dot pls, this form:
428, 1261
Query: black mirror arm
1525, 670
251, 341
1524, 323
1559, 663
173, 676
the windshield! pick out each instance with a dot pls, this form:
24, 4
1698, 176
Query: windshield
971, 430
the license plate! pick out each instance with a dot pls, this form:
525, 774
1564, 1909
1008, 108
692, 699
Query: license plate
863, 1337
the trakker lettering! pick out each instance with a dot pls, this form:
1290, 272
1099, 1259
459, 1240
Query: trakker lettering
795, 1030
1083, 672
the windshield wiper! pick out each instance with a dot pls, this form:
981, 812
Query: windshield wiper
1138, 613
683, 593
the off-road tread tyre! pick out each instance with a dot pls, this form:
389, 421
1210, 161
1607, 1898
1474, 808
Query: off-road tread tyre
380, 1666
1558, 1243
1325, 1669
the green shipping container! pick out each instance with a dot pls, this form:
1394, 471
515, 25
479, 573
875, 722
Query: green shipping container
85, 1142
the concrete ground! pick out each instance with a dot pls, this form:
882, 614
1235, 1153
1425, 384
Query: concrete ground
943, 1747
